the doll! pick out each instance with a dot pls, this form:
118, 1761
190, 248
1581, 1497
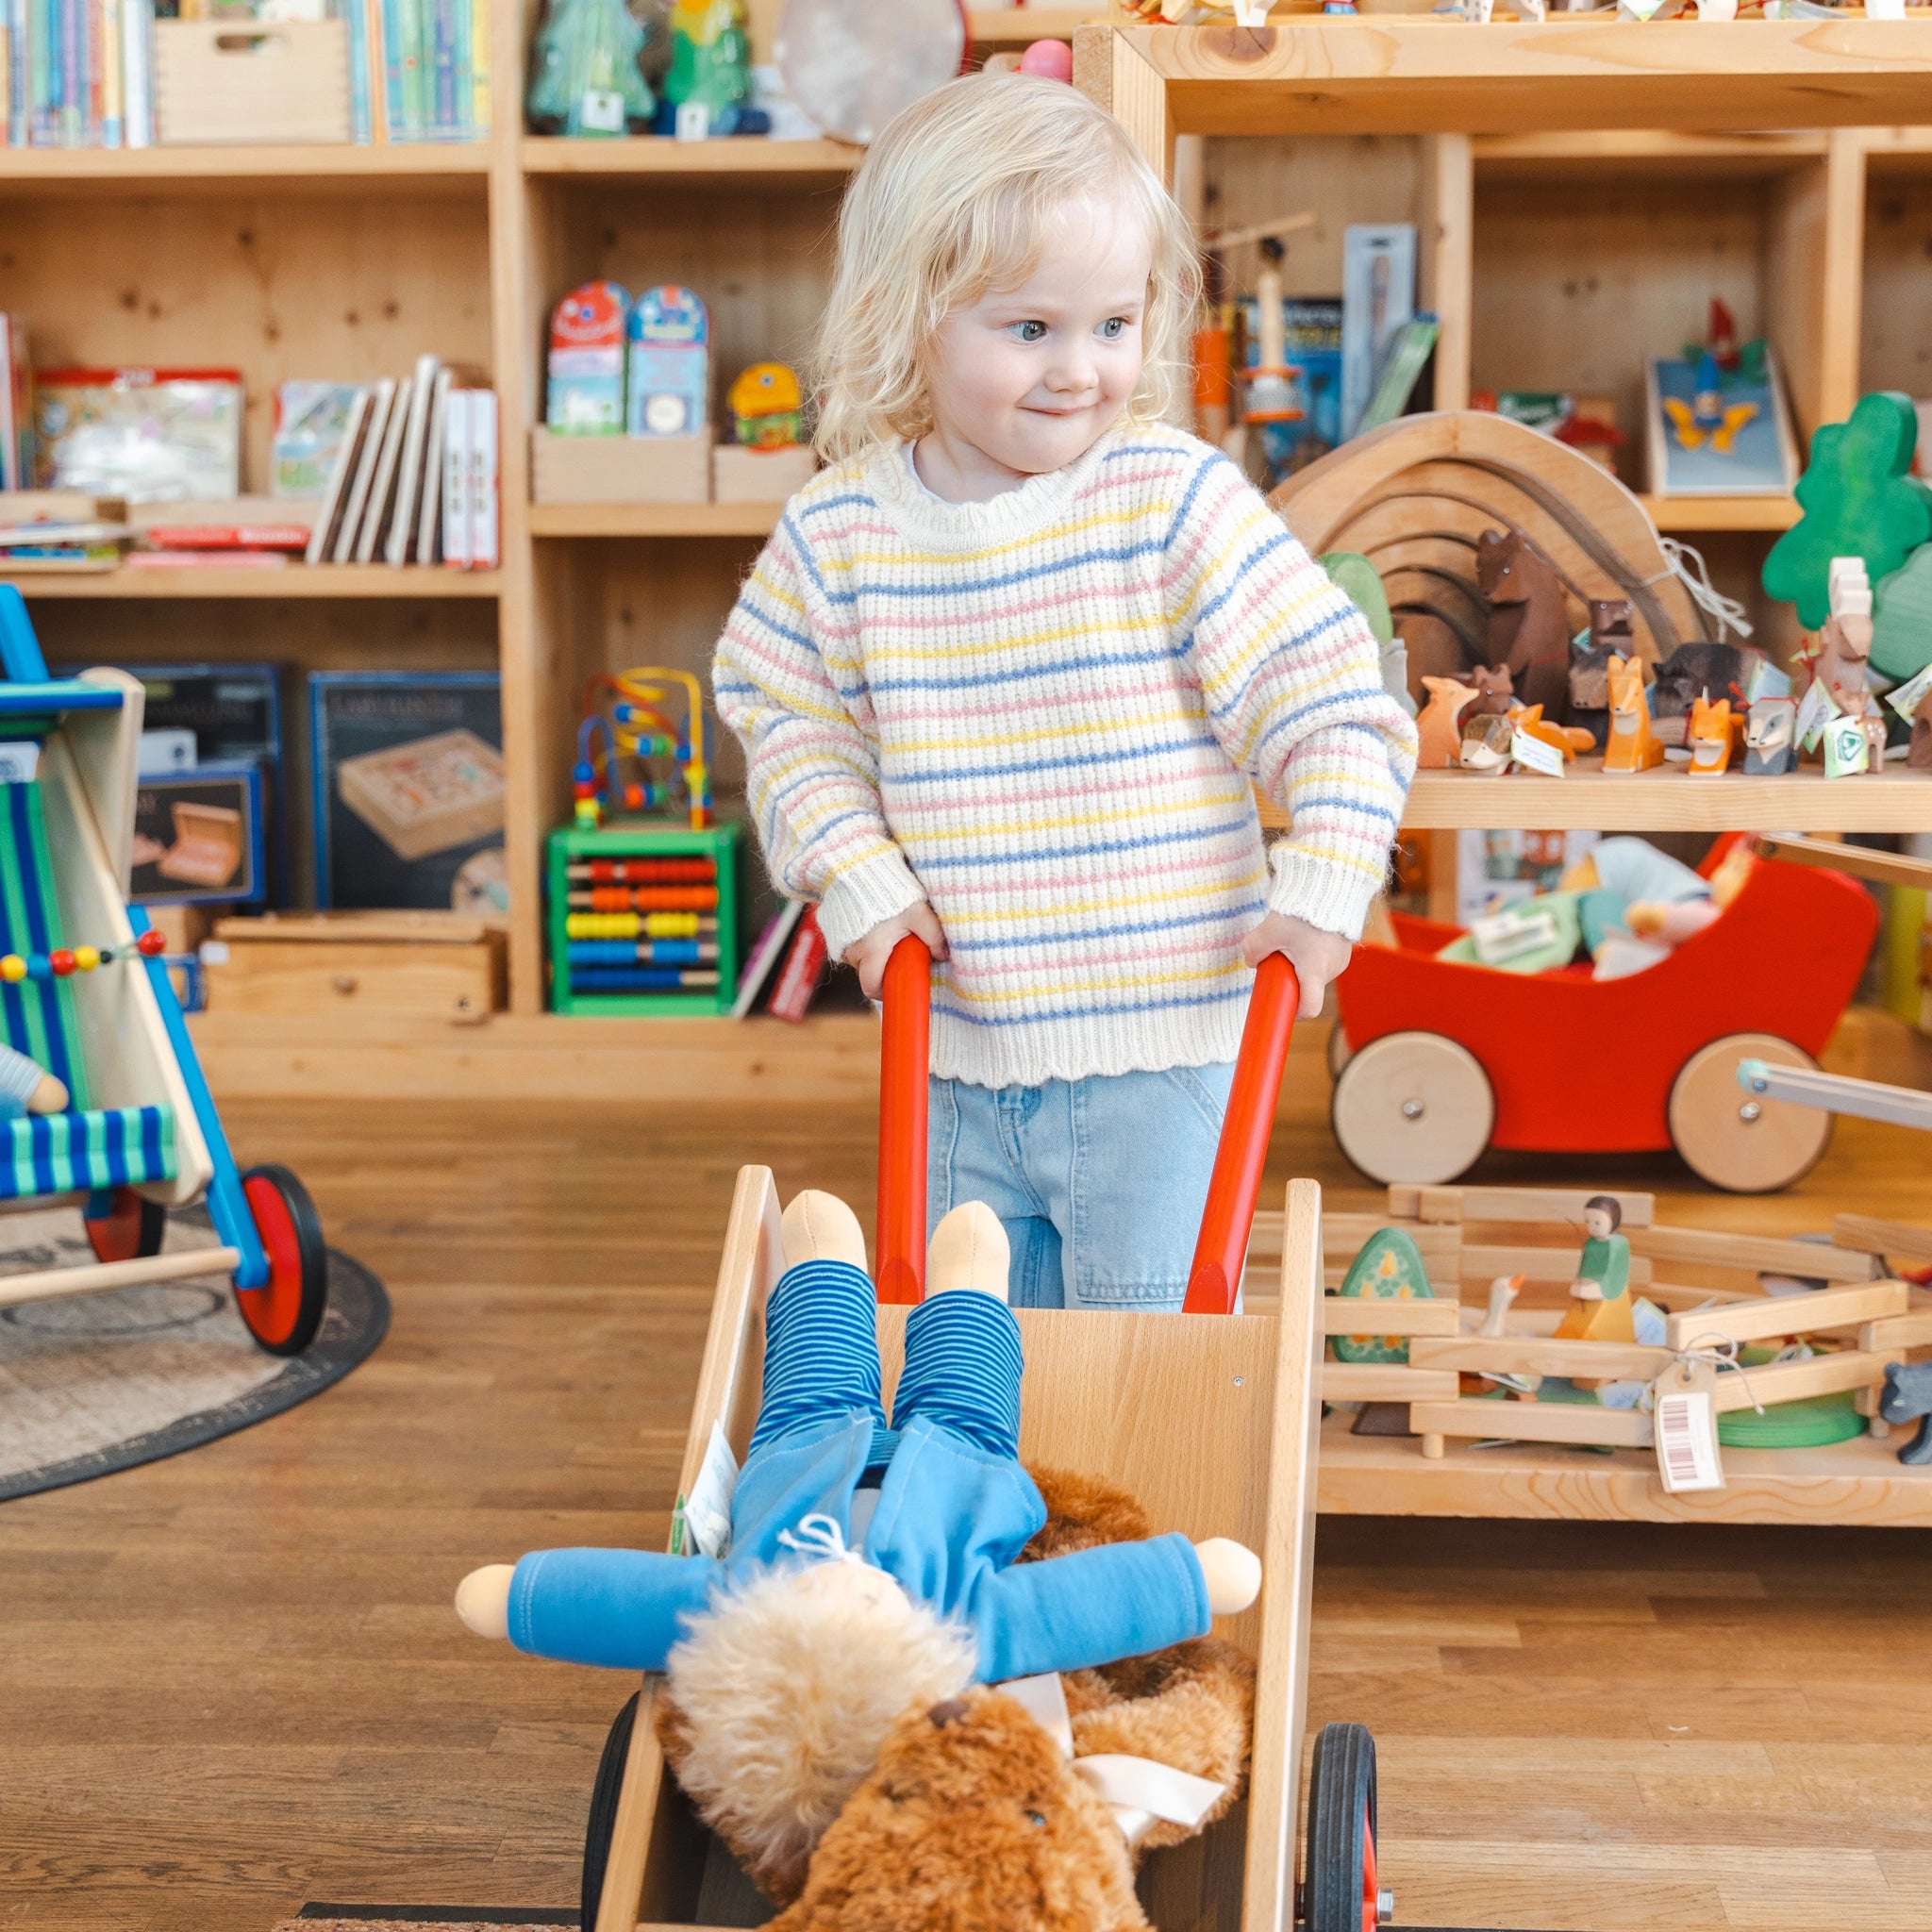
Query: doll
26, 1087
870, 1568
1600, 1309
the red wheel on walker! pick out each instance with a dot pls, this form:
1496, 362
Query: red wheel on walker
284, 1315
130, 1231
1342, 1892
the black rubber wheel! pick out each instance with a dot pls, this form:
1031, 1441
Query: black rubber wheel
130, 1231
603, 1796
1339, 1052
1342, 1891
284, 1314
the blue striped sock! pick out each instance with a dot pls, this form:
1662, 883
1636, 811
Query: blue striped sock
822, 1356
962, 1369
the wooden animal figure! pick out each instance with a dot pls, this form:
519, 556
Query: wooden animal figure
1631, 746
1494, 691
1770, 734
1611, 637
1710, 737
1567, 739
1529, 621
1439, 727
1909, 1398
1918, 752
1874, 732
1486, 743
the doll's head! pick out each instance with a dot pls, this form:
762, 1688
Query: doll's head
779, 1693
973, 1822
1009, 269
1603, 1214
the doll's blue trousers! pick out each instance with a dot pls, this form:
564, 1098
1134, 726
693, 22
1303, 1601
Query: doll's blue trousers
821, 1359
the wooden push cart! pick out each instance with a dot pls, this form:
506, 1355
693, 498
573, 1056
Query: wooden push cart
84, 994
1208, 1417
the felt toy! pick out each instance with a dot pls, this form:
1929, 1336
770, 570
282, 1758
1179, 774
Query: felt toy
26, 1087
870, 1571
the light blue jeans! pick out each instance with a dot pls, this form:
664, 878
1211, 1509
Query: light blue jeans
1099, 1183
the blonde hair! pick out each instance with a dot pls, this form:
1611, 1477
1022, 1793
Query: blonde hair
953, 200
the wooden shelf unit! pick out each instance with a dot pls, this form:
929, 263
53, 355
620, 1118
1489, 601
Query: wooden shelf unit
308, 261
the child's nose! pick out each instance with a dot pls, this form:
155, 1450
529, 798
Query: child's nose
1072, 372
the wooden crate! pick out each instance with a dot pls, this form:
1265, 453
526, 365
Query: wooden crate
417, 965
758, 476
619, 469
226, 81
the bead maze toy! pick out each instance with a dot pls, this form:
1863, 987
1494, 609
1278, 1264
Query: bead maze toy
1117, 1392
84, 992
625, 719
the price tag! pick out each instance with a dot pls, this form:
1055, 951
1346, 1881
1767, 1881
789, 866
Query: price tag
693, 120
600, 111
1818, 708
1535, 756
708, 1509
1684, 1421
1910, 696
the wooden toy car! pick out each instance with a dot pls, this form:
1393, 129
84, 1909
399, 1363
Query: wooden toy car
1444, 1061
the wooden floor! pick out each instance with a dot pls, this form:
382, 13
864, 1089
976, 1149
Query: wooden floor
232, 1682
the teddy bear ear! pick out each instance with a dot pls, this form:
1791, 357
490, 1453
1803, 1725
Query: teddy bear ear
950, 1713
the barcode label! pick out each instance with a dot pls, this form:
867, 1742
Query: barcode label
1686, 1457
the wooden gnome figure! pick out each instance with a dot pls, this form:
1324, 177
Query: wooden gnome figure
1600, 1307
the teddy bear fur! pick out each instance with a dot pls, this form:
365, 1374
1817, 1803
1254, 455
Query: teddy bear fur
940, 1835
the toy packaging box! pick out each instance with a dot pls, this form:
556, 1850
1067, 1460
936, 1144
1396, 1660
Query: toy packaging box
148, 435
198, 838
1377, 297
584, 365
670, 392
1710, 432
408, 791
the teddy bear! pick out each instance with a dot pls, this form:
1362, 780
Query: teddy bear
874, 1573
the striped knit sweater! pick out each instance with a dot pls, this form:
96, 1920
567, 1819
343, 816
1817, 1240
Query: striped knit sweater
1037, 712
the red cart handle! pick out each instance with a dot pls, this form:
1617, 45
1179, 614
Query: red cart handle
1223, 1249
899, 1244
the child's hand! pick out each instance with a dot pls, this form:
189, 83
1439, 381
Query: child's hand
870, 951
1317, 956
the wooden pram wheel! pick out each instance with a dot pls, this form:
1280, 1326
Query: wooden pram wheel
1415, 1108
1737, 1140
602, 1819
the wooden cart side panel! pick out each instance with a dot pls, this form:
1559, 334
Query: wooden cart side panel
728, 1393
1287, 1557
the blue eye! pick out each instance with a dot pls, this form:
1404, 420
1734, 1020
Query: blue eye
1027, 331
1114, 328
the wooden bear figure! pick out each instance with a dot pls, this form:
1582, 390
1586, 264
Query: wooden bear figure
1631, 747
1529, 623
1611, 636
1909, 1398
1495, 695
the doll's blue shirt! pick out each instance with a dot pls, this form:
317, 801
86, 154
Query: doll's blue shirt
951, 1519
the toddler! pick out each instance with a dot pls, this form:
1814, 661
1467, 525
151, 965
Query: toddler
1007, 666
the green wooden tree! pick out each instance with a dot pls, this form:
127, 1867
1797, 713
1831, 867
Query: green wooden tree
1858, 501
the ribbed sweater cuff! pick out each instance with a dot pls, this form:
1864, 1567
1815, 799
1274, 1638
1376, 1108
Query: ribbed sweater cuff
1328, 894
876, 889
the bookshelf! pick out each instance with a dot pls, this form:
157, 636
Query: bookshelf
349, 261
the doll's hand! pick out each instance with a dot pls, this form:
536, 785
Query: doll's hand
870, 951
483, 1599
1584, 1290
1317, 956
50, 1096
1233, 1571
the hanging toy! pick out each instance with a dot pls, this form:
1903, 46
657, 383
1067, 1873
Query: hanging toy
64, 962
625, 719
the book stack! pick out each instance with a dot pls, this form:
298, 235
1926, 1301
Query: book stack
82, 73
415, 477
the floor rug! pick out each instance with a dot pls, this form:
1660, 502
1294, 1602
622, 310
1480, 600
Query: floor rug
96, 1383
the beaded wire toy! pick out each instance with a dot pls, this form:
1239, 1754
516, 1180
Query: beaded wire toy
625, 718
14, 967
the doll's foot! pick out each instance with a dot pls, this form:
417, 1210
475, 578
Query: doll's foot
483, 1599
1233, 1571
820, 1227
967, 1249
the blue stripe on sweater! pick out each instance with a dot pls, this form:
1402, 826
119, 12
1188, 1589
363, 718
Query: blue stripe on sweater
954, 587
1033, 852
1133, 753
1224, 911
1050, 668
1113, 1009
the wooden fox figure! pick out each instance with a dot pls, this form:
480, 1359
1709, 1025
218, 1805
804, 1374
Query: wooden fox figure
1710, 736
1631, 747
1439, 727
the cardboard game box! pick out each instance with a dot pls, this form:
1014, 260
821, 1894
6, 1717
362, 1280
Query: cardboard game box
198, 838
408, 791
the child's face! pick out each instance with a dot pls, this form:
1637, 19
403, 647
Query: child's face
1031, 377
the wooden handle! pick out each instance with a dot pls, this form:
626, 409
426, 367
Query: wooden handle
1218, 1255
899, 1244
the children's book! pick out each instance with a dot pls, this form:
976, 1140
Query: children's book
428, 517
483, 480
1716, 432
328, 514
311, 419
765, 956
402, 524
803, 967
373, 428
456, 479
382, 490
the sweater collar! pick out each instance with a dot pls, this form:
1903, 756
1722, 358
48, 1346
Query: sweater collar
917, 514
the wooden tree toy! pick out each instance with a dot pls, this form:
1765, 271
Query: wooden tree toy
1530, 626
1361, 582
1858, 501
1439, 726
1902, 619
1631, 745
1388, 1267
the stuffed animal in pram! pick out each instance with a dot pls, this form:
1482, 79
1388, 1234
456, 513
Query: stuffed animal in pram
874, 1582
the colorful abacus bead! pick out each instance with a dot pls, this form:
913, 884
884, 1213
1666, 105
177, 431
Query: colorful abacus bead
152, 944
87, 958
12, 969
38, 967
60, 963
